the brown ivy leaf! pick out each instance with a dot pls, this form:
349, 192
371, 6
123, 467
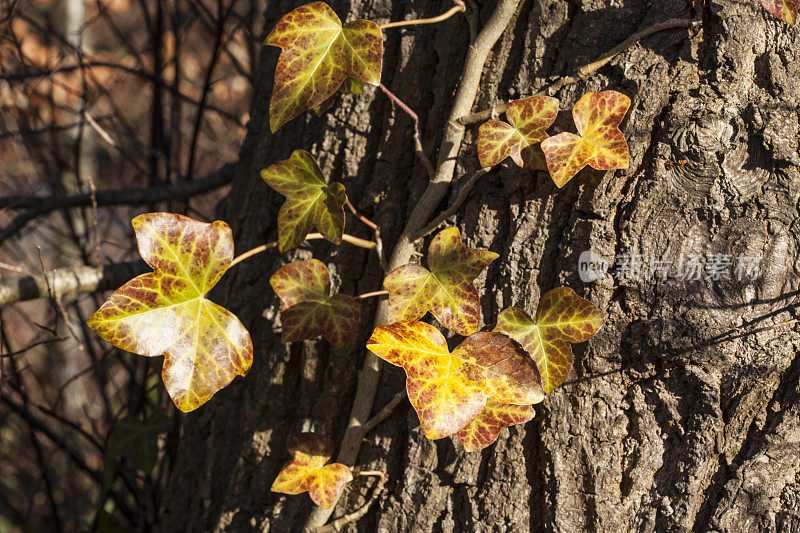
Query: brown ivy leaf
446, 290
601, 144
310, 202
309, 310
562, 319
448, 390
165, 312
485, 429
307, 470
317, 55
528, 121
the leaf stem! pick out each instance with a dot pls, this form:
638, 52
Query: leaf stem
376, 230
371, 294
423, 157
458, 8
355, 241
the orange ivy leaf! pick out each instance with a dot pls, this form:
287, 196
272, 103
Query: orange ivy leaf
528, 121
448, 390
601, 144
485, 429
446, 290
309, 310
307, 470
310, 202
165, 312
562, 319
317, 55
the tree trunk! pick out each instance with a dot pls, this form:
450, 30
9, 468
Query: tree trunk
683, 413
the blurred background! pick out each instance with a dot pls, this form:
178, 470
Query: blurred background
123, 96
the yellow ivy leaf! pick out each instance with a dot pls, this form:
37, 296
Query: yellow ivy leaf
528, 121
485, 429
601, 144
562, 319
309, 310
317, 54
165, 312
448, 390
446, 290
310, 202
307, 470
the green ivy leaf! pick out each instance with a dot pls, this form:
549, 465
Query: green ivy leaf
446, 290
310, 202
562, 319
309, 310
317, 54
137, 441
165, 312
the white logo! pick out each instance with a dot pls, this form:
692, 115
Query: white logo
591, 266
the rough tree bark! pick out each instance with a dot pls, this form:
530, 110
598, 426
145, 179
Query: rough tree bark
683, 413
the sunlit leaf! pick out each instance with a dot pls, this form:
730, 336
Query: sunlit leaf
448, 390
307, 470
562, 319
786, 10
446, 290
528, 121
137, 440
309, 310
165, 312
317, 55
601, 144
485, 429
310, 202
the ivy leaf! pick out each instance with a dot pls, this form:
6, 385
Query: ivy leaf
137, 440
529, 120
449, 390
307, 470
310, 202
309, 310
485, 429
317, 55
601, 144
785, 10
165, 312
562, 318
446, 290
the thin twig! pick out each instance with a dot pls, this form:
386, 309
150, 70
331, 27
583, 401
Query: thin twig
339, 523
458, 8
96, 127
421, 155
376, 230
587, 70
453, 209
355, 241
371, 295
383, 414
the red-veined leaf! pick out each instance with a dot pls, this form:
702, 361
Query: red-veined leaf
317, 54
601, 144
528, 121
486, 427
165, 312
562, 319
307, 470
309, 310
446, 290
448, 390
310, 202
